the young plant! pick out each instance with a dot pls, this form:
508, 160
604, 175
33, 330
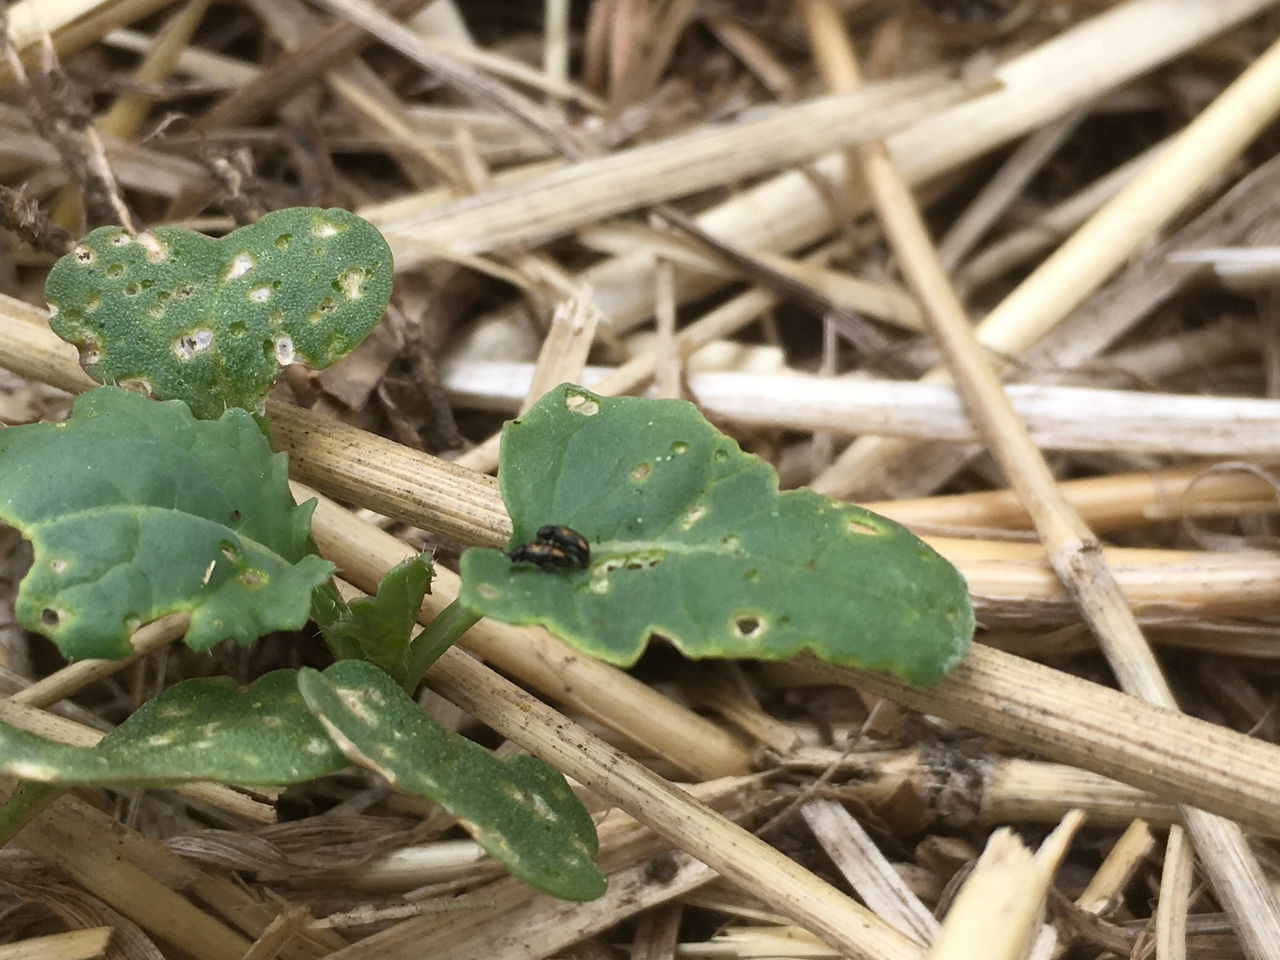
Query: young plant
632, 518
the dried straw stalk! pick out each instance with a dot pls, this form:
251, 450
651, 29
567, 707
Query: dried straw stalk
1216, 136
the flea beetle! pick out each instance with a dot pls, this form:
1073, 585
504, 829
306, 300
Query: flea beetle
570, 541
555, 548
545, 555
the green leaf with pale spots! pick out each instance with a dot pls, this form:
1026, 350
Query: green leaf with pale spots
177, 315
377, 628
203, 729
518, 808
691, 541
136, 509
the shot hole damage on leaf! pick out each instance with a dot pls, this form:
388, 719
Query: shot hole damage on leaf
692, 516
157, 250
253, 578
241, 264
131, 308
189, 344
283, 346
118, 542
350, 282
581, 404
865, 527
691, 539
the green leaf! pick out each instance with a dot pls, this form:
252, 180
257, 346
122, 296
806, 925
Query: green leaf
176, 315
136, 509
691, 540
519, 809
201, 729
379, 626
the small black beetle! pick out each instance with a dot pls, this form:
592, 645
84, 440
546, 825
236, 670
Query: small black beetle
545, 555
570, 541
554, 548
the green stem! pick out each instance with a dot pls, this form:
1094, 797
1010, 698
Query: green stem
445, 629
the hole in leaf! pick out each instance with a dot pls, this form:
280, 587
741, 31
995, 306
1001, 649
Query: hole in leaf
58, 566
184, 291
236, 328
115, 270
253, 578
132, 289
748, 625
50, 617
640, 472
119, 240
241, 264
720, 455
283, 241
92, 302
229, 550
324, 306
235, 516
284, 350
577, 403
679, 447
156, 251
644, 561
731, 542
692, 516
350, 281
260, 293
276, 318
137, 384
323, 228
863, 527
84, 255
192, 342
